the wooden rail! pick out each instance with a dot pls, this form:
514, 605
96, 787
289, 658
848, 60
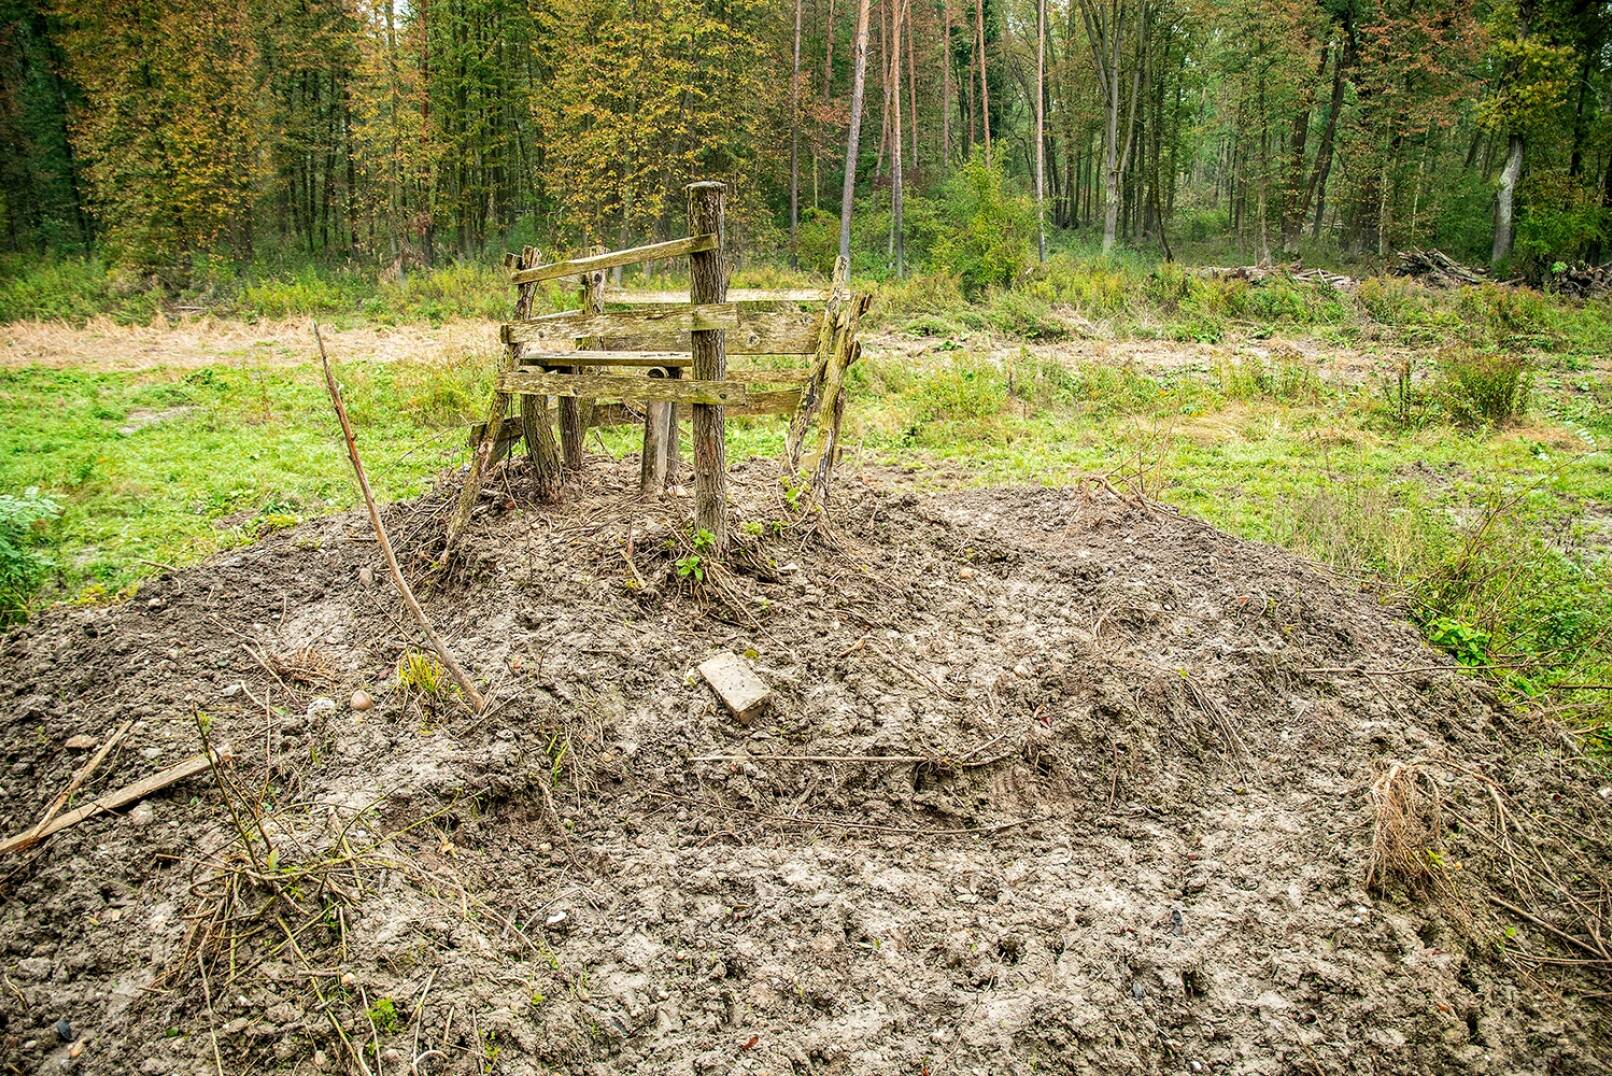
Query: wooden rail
749, 332
712, 393
735, 295
674, 248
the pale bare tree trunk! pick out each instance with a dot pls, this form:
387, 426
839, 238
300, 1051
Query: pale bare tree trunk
912, 89
1505, 198
859, 67
794, 149
895, 140
1041, 129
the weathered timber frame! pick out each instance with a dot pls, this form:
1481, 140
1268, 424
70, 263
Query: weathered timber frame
668, 351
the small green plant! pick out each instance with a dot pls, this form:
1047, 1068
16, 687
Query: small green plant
22, 567
384, 1013
422, 675
1465, 643
691, 567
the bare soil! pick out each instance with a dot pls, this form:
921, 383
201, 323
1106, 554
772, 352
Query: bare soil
1087, 788
204, 341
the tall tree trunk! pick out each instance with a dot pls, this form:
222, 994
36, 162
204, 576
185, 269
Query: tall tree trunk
1041, 129
794, 149
859, 66
985, 85
946, 83
1504, 200
895, 138
1329, 132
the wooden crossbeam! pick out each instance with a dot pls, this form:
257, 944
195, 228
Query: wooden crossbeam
755, 405
675, 248
622, 387
758, 332
664, 359
735, 295
624, 323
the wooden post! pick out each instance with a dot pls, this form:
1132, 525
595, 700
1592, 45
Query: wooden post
534, 418
660, 438
708, 283
541, 450
573, 420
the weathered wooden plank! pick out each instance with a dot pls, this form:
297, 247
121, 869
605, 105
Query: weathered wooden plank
735, 295
674, 248
759, 332
714, 392
624, 323
608, 358
573, 411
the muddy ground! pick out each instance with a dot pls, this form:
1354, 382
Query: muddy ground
1053, 781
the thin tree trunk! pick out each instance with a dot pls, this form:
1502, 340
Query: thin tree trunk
794, 149
985, 85
946, 83
897, 10
859, 65
1041, 129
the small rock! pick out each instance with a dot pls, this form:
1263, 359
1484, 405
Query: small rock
321, 707
233, 690
142, 815
966, 574
64, 1030
75, 1050
366, 576
320, 1061
155, 603
361, 700
81, 742
736, 684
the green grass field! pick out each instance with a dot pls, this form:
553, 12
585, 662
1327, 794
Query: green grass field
1492, 530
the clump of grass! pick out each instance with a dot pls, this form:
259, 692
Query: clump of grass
422, 676
1478, 388
1407, 844
1280, 378
23, 567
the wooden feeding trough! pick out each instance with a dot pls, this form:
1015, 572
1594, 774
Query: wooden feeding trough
655, 357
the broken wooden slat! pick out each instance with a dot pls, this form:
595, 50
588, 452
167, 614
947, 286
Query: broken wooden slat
625, 323
112, 801
735, 295
622, 387
743, 692
674, 248
766, 377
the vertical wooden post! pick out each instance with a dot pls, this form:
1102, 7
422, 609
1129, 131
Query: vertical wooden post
660, 430
534, 417
708, 283
541, 448
573, 419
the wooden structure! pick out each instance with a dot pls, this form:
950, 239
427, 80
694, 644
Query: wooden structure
651, 357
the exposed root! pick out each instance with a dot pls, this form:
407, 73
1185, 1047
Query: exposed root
1407, 843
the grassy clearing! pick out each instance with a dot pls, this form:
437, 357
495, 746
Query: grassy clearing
1496, 540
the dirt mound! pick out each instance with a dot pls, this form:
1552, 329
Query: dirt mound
1051, 781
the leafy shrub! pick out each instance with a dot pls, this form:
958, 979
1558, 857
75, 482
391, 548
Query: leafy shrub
22, 567
1478, 388
1023, 314
986, 236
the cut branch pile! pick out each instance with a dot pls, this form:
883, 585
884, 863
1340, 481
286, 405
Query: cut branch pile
1265, 272
1435, 267
1584, 281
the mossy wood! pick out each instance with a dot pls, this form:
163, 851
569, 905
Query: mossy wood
674, 248
713, 392
645, 353
749, 332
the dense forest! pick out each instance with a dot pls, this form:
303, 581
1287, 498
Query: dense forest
158, 131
